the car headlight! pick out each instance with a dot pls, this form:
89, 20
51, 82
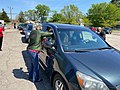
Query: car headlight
89, 83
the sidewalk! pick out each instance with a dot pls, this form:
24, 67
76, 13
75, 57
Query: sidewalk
13, 65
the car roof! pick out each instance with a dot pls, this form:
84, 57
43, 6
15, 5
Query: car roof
64, 25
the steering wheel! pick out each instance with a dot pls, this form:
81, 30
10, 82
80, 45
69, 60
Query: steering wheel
86, 40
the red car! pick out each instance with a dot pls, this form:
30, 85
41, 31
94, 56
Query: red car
93, 29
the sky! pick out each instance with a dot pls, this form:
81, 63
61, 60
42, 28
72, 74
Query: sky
24, 5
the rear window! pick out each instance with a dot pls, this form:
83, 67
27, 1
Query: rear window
30, 27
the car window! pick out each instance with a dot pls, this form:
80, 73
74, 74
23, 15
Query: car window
64, 37
49, 30
44, 28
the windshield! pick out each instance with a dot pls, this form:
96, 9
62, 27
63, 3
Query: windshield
80, 39
107, 28
30, 27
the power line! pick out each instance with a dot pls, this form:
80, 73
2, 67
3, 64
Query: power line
11, 12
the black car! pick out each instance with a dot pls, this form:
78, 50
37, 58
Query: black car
20, 26
108, 30
29, 28
76, 58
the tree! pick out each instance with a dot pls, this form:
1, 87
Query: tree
103, 14
86, 21
21, 17
3, 16
42, 12
57, 17
71, 14
116, 2
0, 14
30, 15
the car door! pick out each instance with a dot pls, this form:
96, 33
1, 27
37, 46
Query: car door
44, 54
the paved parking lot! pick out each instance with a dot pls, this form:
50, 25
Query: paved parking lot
114, 40
14, 62
13, 65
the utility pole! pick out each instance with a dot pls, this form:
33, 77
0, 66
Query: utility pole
10, 12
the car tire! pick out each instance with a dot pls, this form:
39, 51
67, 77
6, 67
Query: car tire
26, 40
59, 83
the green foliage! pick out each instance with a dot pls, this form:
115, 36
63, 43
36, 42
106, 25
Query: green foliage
71, 14
86, 21
3, 16
116, 2
21, 17
31, 15
42, 12
0, 15
57, 17
103, 14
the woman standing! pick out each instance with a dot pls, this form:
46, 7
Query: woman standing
1, 36
101, 33
33, 49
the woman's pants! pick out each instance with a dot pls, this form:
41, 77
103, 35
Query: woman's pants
34, 73
1, 39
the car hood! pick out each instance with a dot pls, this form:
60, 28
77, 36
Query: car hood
105, 63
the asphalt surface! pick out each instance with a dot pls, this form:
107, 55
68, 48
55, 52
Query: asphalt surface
14, 63
114, 40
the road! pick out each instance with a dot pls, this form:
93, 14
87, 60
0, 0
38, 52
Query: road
114, 40
14, 62
13, 65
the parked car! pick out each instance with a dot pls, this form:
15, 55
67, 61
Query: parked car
93, 29
20, 26
29, 28
108, 30
24, 28
117, 27
81, 60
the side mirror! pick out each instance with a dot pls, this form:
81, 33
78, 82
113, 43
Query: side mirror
48, 44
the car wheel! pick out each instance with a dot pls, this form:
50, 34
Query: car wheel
110, 32
26, 40
59, 83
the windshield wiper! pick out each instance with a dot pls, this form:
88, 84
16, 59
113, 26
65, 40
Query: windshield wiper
87, 50
104, 48
77, 50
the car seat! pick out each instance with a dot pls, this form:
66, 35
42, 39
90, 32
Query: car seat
64, 37
76, 39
